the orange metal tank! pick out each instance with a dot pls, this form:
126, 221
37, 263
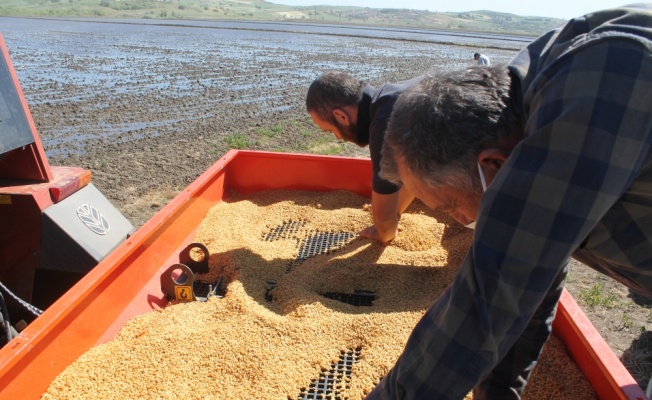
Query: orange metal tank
126, 283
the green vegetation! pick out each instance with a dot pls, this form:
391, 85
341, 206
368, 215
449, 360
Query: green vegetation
271, 131
596, 297
480, 21
237, 141
278, 137
627, 322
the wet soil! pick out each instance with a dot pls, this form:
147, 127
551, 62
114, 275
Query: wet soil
147, 117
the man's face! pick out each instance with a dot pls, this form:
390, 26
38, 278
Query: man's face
348, 133
460, 204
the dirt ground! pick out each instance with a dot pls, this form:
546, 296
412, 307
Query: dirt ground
175, 118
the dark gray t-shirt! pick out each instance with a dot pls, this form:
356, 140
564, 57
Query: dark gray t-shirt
374, 111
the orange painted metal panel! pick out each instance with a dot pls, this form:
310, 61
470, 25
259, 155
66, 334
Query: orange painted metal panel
68, 180
604, 370
255, 171
30, 162
126, 283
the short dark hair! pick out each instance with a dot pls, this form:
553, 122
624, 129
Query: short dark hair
438, 127
476, 55
331, 90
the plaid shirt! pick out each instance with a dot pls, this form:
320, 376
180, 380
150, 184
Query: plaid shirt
579, 184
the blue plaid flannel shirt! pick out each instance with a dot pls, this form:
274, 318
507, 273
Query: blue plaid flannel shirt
579, 184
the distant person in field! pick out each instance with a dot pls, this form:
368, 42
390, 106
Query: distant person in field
481, 59
358, 113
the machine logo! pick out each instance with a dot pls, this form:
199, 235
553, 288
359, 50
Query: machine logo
93, 219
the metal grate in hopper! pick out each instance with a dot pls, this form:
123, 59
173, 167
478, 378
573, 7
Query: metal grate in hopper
359, 298
205, 289
287, 230
202, 289
330, 383
321, 243
315, 244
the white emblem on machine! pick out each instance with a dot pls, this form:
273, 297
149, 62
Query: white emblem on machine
93, 219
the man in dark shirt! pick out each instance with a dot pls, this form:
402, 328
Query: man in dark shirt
551, 155
358, 113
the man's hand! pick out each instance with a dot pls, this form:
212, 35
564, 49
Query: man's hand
385, 210
371, 232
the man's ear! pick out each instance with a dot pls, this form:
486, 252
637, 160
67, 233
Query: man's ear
492, 158
341, 116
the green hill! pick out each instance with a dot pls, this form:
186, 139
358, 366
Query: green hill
479, 21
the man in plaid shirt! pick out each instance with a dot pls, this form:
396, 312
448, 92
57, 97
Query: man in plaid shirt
550, 155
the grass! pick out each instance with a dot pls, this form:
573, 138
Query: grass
332, 149
283, 137
271, 131
595, 296
627, 322
237, 141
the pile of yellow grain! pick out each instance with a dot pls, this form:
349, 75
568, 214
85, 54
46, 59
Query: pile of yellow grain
245, 347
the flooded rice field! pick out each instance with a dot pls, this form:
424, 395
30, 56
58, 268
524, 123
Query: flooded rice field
121, 81
147, 105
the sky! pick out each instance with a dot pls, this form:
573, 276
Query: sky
565, 9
